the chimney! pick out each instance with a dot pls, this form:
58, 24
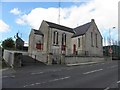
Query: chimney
92, 20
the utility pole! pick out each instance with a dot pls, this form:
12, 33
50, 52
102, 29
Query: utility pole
59, 13
110, 49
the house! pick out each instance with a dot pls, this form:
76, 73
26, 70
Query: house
19, 43
56, 40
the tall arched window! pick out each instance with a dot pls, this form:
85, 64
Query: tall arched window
96, 39
63, 41
55, 38
78, 42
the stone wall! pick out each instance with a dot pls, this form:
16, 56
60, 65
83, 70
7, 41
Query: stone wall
40, 56
93, 50
82, 59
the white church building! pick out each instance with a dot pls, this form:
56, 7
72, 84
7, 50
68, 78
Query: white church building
52, 41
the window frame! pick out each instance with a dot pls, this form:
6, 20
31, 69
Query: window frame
79, 42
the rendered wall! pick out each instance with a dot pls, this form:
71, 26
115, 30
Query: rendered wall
78, 59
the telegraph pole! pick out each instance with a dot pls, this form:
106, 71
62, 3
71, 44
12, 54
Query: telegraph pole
110, 49
59, 13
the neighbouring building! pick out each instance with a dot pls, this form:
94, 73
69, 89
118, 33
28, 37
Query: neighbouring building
115, 51
19, 43
56, 40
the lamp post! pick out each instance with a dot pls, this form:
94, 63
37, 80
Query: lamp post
110, 49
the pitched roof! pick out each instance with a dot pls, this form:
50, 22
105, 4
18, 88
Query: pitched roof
81, 30
38, 32
53, 25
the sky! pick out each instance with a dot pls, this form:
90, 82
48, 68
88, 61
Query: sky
21, 17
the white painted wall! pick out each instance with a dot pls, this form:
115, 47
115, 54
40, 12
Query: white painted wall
8, 56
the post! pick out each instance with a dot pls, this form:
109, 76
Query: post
110, 42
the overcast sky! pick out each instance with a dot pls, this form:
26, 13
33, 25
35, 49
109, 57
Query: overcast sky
22, 16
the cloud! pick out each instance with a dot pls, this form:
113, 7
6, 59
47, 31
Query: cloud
4, 27
22, 20
105, 15
15, 11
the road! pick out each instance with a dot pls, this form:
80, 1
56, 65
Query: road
101, 75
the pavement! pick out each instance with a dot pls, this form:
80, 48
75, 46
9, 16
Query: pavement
85, 63
98, 75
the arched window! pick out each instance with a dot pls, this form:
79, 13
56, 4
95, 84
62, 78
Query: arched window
63, 41
55, 38
78, 42
92, 39
96, 39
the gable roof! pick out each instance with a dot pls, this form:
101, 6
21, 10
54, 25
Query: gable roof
53, 25
81, 30
38, 32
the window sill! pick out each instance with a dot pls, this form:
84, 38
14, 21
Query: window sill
55, 45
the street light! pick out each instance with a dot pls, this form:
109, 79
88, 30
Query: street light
110, 49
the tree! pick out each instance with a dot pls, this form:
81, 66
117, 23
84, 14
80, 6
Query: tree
8, 43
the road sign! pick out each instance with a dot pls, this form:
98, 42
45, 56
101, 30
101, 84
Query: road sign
110, 50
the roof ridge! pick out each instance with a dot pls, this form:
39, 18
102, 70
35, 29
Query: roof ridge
81, 30
57, 24
60, 27
83, 25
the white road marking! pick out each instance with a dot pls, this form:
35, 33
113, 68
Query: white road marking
56, 70
37, 83
107, 88
4, 69
118, 82
93, 71
112, 66
47, 81
37, 73
102, 63
7, 76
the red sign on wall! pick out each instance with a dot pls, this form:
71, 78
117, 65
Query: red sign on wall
110, 50
39, 46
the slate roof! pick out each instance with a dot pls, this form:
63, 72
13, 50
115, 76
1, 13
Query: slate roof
53, 25
38, 32
81, 30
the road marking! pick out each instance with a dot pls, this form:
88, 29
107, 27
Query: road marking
107, 88
7, 76
102, 63
4, 69
93, 71
37, 73
56, 70
118, 82
47, 81
112, 66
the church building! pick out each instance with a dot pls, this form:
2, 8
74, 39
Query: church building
56, 40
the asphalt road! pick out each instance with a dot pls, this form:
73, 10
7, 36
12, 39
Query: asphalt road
101, 75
